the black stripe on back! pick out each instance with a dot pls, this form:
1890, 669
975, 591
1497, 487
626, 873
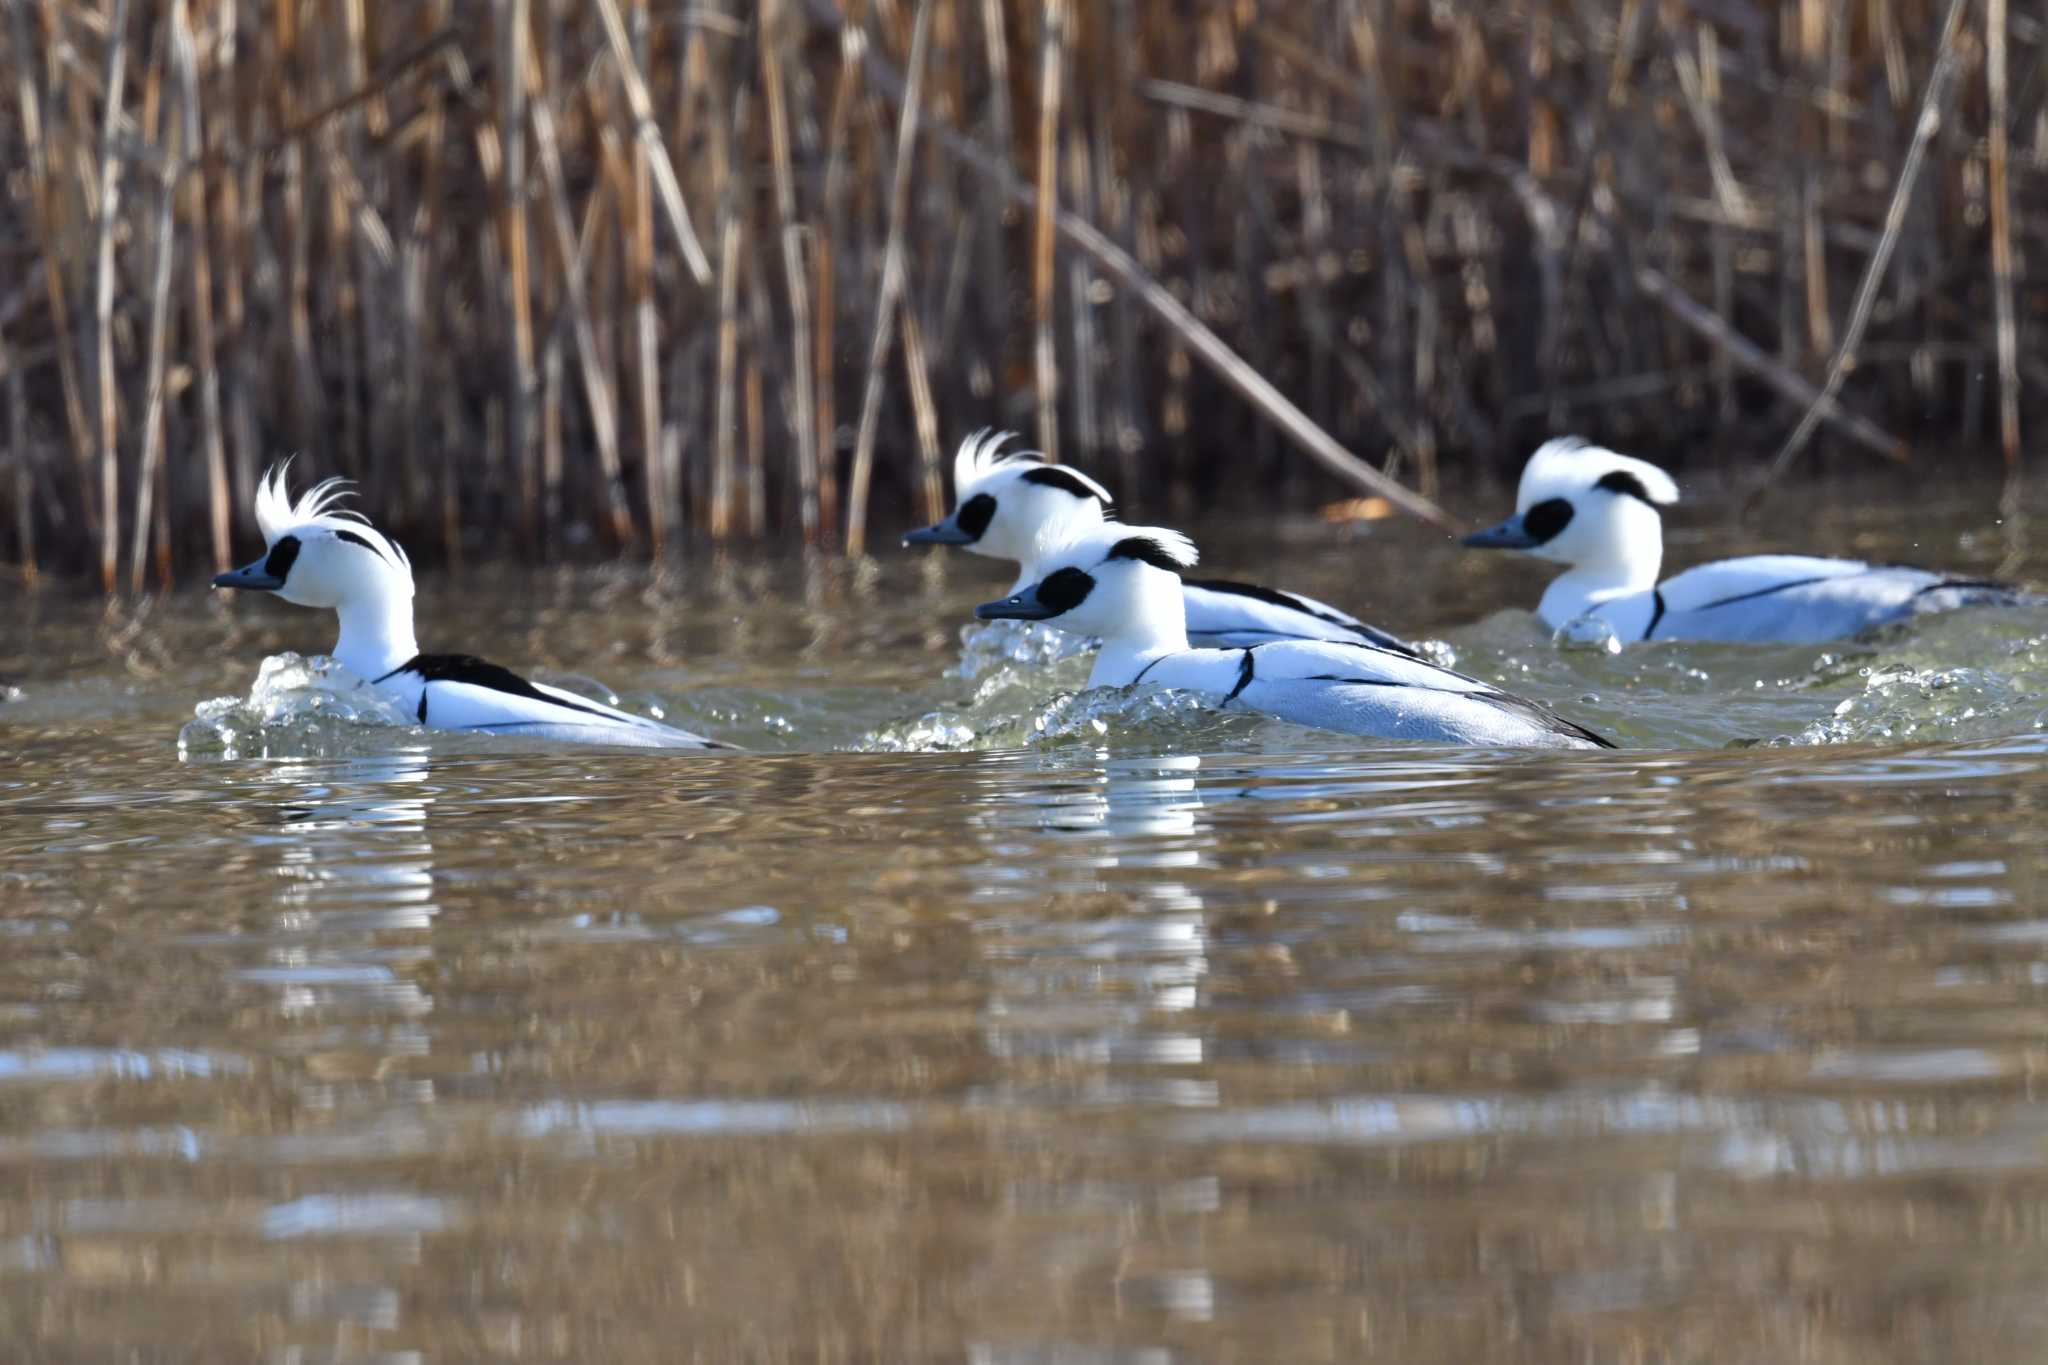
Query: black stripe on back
1245, 668
1764, 592
467, 668
1657, 599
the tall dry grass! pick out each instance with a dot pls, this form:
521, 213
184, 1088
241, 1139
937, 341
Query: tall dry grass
549, 275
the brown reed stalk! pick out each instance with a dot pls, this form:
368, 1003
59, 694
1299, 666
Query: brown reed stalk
803, 390
664, 474
852, 44
1204, 343
2001, 234
20, 457
514, 21
107, 381
35, 137
760, 332
648, 133
1873, 273
164, 247
1045, 358
725, 417
924, 414
892, 286
597, 392
185, 62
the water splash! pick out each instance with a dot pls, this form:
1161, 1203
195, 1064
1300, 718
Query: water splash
297, 707
1900, 702
988, 646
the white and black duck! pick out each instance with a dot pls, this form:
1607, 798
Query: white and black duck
317, 555
1122, 585
1596, 512
1013, 505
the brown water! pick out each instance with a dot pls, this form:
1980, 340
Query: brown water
1156, 1038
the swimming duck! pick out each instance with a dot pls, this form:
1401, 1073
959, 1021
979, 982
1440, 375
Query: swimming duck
318, 555
1013, 505
1122, 584
1597, 512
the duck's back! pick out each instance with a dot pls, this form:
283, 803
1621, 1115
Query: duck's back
1225, 613
1803, 599
1361, 690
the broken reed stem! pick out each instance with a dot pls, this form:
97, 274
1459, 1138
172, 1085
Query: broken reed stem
1045, 358
1255, 388
597, 392
892, 286
2001, 235
1924, 127
1746, 354
103, 296
648, 133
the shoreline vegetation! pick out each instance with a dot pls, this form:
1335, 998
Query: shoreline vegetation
544, 274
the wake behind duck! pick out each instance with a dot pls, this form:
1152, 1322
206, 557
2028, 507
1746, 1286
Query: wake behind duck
1122, 584
318, 555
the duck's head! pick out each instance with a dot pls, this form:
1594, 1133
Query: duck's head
1586, 506
1110, 582
317, 555
1012, 504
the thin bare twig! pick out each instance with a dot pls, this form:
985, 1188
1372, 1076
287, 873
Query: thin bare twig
1873, 273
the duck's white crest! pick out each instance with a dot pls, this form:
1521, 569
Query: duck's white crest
983, 454
277, 513
1568, 466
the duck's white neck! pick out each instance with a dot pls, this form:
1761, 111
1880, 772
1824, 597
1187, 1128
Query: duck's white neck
376, 635
1625, 564
1158, 628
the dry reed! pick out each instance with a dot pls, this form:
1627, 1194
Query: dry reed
455, 251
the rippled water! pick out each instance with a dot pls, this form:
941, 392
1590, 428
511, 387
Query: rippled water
1119, 1032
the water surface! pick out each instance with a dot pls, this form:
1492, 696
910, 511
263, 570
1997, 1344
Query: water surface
1115, 1033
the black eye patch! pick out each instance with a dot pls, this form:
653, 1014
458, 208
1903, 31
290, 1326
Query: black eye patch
974, 515
1621, 481
1546, 519
1065, 590
278, 564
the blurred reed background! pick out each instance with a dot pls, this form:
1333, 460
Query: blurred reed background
568, 276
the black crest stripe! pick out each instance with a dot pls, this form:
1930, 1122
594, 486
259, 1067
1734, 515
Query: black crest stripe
1149, 551
352, 538
1053, 476
1623, 482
